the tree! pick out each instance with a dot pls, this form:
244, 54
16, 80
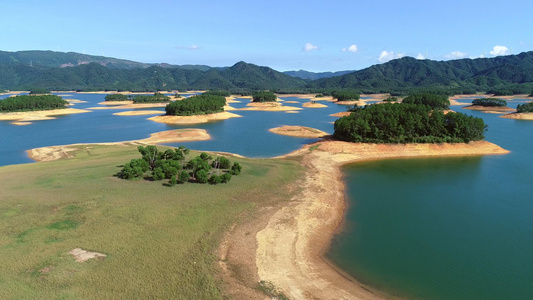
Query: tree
183, 176
214, 179
225, 178
134, 169
201, 176
236, 169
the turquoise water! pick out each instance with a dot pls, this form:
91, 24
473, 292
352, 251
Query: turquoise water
444, 228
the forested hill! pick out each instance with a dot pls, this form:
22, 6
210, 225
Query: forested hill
25, 70
482, 74
314, 76
94, 76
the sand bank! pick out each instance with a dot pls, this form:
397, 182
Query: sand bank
28, 116
171, 136
313, 105
116, 102
268, 106
341, 114
519, 116
193, 119
128, 106
75, 101
492, 109
138, 113
290, 248
358, 103
299, 131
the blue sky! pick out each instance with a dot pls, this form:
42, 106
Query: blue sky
285, 35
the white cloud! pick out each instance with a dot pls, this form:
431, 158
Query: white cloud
455, 55
499, 50
385, 56
352, 48
309, 47
192, 48
420, 56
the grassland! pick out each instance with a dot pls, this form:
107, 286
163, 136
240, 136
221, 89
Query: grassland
160, 241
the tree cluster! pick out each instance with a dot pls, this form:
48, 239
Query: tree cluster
345, 95
31, 103
431, 100
407, 123
526, 107
264, 96
39, 91
156, 98
116, 97
391, 99
489, 102
196, 105
171, 164
218, 93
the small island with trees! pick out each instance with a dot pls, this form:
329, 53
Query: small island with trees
490, 105
523, 112
171, 164
418, 119
264, 96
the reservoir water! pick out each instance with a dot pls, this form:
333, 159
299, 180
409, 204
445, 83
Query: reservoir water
444, 228
440, 228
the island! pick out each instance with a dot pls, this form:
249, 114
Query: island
196, 109
23, 109
299, 131
490, 105
523, 112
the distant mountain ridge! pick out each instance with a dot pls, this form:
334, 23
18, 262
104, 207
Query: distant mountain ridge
314, 76
74, 71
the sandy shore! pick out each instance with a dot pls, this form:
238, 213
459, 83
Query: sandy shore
268, 106
138, 113
313, 105
299, 131
28, 116
170, 136
341, 114
358, 103
290, 248
490, 109
519, 116
193, 119
121, 105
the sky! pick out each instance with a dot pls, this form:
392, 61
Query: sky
316, 36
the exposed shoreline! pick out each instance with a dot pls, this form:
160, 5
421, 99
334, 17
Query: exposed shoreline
27, 117
196, 119
291, 247
52, 153
299, 131
519, 116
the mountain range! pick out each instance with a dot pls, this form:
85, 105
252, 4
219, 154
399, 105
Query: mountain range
25, 70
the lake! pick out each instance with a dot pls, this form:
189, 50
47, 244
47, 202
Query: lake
444, 228
439, 228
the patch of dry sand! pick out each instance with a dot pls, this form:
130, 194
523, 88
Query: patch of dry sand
341, 114
139, 113
83, 255
519, 116
491, 109
299, 131
193, 119
28, 116
313, 105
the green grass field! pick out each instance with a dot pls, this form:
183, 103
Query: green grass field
160, 241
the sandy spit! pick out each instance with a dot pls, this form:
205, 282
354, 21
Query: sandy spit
170, 136
313, 105
502, 109
193, 119
341, 114
519, 116
28, 116
290, 248
299, 131
138, 113
269, 106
